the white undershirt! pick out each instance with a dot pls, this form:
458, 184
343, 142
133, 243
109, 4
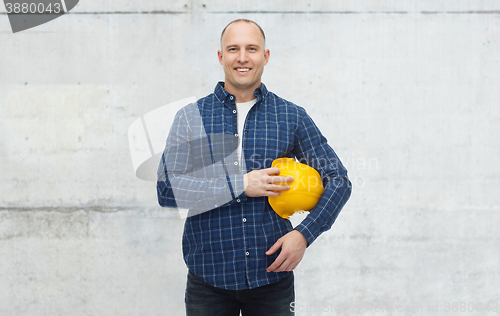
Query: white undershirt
242, 109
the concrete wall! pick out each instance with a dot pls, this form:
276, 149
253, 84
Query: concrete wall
407, 94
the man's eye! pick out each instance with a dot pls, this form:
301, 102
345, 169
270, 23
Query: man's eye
232, 49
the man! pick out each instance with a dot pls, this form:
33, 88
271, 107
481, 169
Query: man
239, 252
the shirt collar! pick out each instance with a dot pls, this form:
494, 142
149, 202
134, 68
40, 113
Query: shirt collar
221, 94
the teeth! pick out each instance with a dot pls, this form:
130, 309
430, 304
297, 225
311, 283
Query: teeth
243, 69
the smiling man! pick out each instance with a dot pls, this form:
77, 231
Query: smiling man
243, 56
240, 254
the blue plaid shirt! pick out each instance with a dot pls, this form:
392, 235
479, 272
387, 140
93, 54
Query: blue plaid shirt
227, 233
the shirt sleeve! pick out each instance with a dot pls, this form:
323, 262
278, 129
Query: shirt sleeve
311, 148
200, 182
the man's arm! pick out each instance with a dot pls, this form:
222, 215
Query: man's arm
311, 148
194, 180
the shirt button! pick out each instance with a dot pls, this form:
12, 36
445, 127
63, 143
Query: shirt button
238, 200
222, 101
231, 97
244, 220
234, 111
246, 132
235, 135
247, 253
235, 163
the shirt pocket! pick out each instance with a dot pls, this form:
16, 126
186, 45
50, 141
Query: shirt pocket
284, 140
274, 141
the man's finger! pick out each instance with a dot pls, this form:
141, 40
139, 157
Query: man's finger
283, 266
288, 266
275, 247
271, 193
272, 170
278, 187
276, 263
278, 179
293, 266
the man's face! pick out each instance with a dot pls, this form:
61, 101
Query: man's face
243, 56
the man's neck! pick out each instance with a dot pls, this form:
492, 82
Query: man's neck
242, 96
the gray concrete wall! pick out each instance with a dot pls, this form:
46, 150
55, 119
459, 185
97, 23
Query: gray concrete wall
407, 94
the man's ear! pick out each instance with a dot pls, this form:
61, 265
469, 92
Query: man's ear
219, 55
267, 53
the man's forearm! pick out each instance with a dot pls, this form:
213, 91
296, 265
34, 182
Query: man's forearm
203, 194
324, 214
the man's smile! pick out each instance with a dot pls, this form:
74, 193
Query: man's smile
242, 70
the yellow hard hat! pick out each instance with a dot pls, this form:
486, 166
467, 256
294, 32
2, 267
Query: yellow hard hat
305, 190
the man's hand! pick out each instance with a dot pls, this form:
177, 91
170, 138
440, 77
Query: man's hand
262, 182
293, 245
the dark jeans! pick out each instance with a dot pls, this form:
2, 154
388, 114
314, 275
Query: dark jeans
202, 299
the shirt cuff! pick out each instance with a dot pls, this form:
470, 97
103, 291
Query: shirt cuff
309, 230
238, 186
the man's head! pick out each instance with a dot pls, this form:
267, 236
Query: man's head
243, 56
246, 21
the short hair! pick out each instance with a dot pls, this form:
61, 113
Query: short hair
242, 20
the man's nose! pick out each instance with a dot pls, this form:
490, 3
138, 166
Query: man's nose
242, 56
